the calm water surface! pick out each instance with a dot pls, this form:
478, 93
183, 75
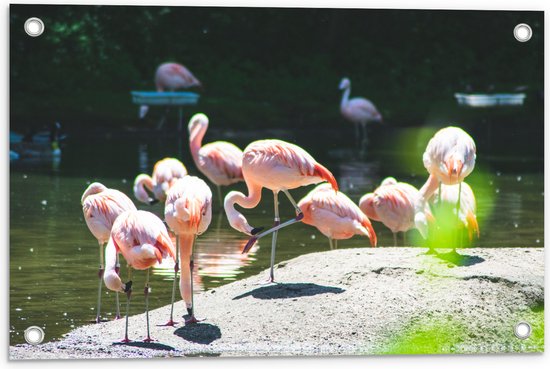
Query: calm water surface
54, 257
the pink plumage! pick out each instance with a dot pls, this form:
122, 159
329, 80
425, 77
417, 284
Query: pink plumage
220, 161
173, 76
393, 203
278, 166
165, 172
188, 212
101, 206
335, 215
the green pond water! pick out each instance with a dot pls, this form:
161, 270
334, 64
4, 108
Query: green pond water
54, 257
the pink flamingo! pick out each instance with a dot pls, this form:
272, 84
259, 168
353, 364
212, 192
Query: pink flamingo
278, 166
358, 110
143, 240
449, 158
165, 173
468, 208
101, 206
220, 161
188, 212
394, 204
173, 76
170, 77
335, 215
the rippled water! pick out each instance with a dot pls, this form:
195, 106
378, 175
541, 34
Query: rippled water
54, 257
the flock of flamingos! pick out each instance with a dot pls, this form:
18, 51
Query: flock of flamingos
143, 239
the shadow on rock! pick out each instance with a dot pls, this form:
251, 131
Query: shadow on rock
459, 259
203, 333
148, 345
289, 290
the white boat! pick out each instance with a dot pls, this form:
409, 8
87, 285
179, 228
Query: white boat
488, 100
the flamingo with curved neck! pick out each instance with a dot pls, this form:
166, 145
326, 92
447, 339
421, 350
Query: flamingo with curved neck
219, 161
278, 166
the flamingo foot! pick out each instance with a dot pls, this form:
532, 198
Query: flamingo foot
193, 320
170, 323
126, 340
270, 280
117, 317
148, 339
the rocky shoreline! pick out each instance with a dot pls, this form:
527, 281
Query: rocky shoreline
342, 302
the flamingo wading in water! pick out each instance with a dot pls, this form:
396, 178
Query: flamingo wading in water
358, 110
101, 206
188, 212
393, 203
165, 173
278, 166
220, 161
143, 240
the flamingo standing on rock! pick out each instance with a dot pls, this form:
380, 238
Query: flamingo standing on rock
165, 173
101, 206
278, 166
335, 215
188, 212
393, 203
220, 161
143, 240
449, 158
358, 110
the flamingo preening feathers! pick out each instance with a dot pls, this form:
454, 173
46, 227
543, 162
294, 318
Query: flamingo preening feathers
165, 173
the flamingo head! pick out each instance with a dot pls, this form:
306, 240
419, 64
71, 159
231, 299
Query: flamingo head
344, 83
197, 122
388, 181
113, 282
453, 168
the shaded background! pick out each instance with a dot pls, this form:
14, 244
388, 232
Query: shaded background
275, 67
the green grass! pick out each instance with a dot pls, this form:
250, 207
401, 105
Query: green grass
451, 336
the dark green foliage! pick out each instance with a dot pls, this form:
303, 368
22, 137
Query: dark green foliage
265, 66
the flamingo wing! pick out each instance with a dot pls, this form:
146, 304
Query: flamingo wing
221, 162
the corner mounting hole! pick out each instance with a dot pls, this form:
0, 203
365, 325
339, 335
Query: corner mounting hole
523, 330
522, 32
34, 27
34, 335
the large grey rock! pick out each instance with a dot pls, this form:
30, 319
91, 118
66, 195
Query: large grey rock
342, 302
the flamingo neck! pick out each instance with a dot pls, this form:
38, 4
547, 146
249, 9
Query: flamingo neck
110, 276
426, 192
345, 97
186, 241
195, 141
142, 181
236, 219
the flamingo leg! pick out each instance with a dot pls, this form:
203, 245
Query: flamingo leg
292, 201
117, 299
220, 196
100, 275
335, 244
457, 213
276, 221
146, 292
330, 243
394, 239
357, 136
128, 296
171, 322
191, 311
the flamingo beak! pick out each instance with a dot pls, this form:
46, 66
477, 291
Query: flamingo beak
153, 201
454, 167
127, 287
256, 236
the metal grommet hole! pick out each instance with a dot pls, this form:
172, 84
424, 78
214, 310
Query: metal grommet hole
34, 27
522, 32
34, 335
523, 330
